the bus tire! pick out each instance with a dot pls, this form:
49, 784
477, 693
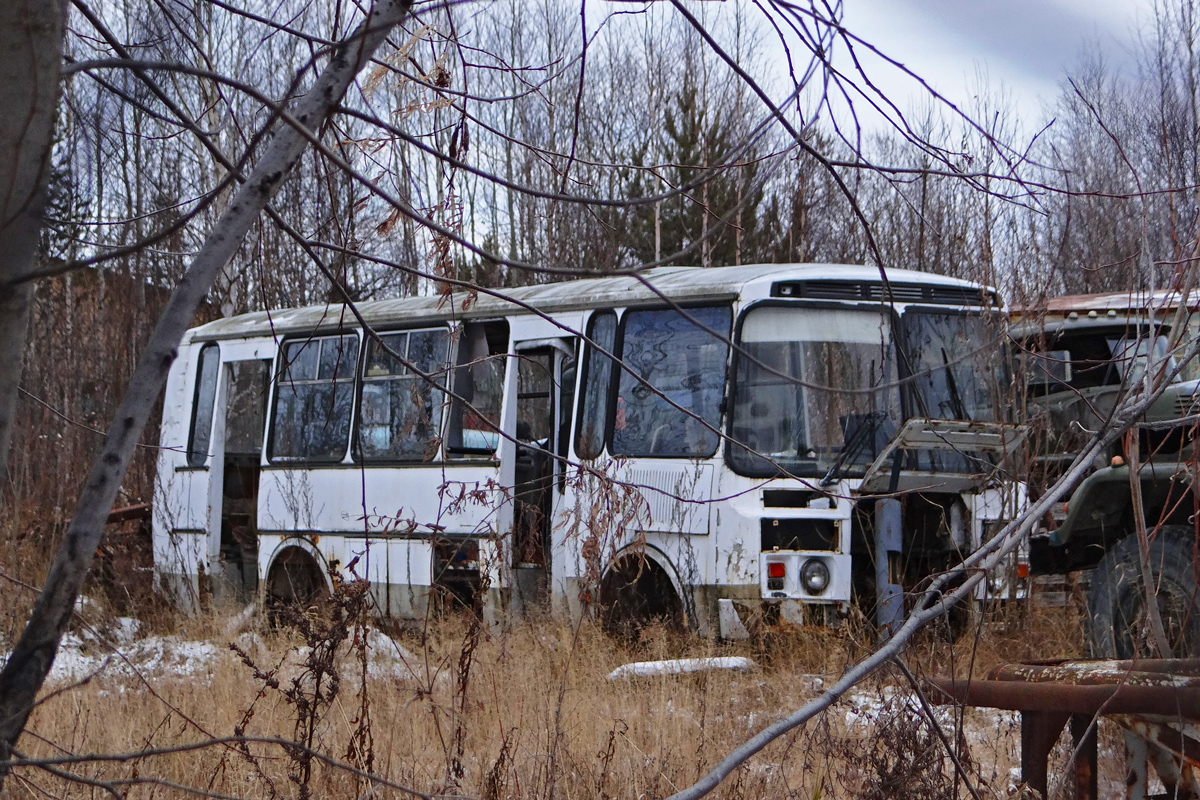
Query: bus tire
635, 592
1116, 601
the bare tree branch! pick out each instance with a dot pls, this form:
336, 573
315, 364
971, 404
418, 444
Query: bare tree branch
31, 659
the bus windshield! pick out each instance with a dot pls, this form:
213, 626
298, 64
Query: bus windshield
956, 364
815, 391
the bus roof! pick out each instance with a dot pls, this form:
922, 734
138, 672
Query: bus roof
679, 284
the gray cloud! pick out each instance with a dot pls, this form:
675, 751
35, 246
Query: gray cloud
1039, 38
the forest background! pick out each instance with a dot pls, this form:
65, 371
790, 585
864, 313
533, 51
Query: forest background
500, 144
1101, 199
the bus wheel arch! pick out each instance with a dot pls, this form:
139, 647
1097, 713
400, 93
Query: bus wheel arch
297, 575
638, 586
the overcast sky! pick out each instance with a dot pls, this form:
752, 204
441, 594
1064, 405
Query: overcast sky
1024, 45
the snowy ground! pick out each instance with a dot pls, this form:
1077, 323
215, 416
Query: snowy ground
117, 655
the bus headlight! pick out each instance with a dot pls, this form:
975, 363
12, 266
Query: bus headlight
814, 576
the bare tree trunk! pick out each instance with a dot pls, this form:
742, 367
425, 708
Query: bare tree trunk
31, 34
34, 653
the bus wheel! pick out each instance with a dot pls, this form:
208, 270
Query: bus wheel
634, 592
1118, 625
295, 585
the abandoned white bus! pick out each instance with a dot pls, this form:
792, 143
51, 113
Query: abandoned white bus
772, 439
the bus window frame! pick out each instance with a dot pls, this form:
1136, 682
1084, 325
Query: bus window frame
464, 455
583, 361
281, 367
191, 445
615, 386
889, 309
439, 456
908, 375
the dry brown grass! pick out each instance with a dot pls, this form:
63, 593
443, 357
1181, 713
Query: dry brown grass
526, 713
537, 717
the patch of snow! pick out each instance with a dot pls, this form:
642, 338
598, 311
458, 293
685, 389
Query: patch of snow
867, 707
80, 657
84, 603
680, 666
171, 655
387, 658
814, 683
124, 630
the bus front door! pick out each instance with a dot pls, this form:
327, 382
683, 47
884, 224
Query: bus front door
545, 378
236, 456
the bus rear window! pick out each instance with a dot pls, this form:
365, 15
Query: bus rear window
672, 382
313, 398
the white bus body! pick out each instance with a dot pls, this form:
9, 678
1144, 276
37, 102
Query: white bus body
695, 480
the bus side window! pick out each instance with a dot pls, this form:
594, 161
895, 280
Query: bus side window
202, 405
597, 383
311, 421
474, 427
668, 357
400, 415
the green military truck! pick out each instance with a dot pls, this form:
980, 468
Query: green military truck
1078, 365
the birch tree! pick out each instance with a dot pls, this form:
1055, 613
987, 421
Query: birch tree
292, 128
31, 36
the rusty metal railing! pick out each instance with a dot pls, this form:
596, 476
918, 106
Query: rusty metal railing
1157, 702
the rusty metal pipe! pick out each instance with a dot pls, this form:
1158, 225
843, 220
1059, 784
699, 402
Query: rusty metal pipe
1147, 671
1113, 698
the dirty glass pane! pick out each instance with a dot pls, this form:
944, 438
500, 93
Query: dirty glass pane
535, 380
400, 414
598, 372
958, 371
479, 386
312, 414
957, 365
1047, 368
670, 389
300, 360
336, 355
1130, 354
202, 405
802, 403
380, 361
246, 411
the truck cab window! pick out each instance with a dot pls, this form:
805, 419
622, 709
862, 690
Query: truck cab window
313, 399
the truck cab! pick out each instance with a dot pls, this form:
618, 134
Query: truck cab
1077, 368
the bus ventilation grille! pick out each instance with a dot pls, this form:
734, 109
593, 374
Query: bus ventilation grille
874, 291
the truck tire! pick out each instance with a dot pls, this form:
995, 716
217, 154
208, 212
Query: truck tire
1117, 626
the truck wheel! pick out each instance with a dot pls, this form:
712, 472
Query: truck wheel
1117, 624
